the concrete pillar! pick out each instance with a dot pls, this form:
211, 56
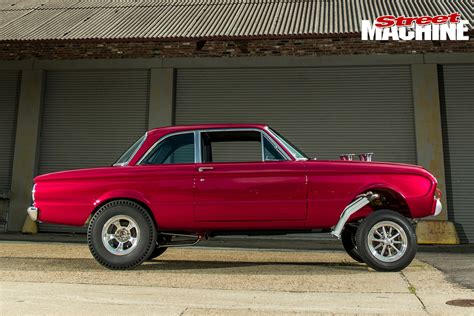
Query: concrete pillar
26, 148
429, 145
162, 90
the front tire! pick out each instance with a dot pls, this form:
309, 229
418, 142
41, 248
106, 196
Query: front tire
386, 241
121, 235
349, 243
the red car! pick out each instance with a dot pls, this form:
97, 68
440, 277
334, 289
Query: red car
177, 185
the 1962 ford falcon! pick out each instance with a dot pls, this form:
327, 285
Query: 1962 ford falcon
177, 185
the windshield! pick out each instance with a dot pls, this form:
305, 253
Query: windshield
128, 154
295, 151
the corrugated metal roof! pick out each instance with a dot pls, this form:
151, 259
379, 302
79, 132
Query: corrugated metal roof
175, 19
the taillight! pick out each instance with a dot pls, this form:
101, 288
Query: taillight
438, 194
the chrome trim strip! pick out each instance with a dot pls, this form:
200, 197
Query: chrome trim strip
197, 147
198, 137
277, 147
438, 208
269, 131
162, 139
33, 191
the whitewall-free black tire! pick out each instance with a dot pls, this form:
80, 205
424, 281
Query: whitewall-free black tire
121, 235
386, 241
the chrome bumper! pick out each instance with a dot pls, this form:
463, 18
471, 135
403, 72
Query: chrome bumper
33, 213
438, 208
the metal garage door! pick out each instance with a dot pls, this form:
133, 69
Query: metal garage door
90, 118
9, 93
458, 132
324, 111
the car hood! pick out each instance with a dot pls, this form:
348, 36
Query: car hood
366, 166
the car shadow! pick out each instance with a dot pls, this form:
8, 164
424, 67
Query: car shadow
262, 267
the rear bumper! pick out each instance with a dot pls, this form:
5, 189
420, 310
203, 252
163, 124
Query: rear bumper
438, 208
33, 213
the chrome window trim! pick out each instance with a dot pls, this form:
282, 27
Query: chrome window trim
134, 153
269, 131
161, 139
197, 147
277, 147
263, 133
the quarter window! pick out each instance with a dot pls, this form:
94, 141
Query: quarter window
172, 150
271, 153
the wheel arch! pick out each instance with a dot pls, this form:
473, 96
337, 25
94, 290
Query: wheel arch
143, 202
390, 198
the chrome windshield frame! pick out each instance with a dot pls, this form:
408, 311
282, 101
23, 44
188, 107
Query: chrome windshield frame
272, 133
133, 154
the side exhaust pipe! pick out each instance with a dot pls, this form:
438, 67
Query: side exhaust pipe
360, 201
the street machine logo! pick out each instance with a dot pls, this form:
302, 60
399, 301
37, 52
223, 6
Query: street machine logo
428, 28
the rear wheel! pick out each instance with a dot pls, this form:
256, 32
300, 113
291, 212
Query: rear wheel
386, 241
349, 243
121, 235
158, 251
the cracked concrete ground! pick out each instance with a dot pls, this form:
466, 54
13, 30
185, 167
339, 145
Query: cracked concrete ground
40, 278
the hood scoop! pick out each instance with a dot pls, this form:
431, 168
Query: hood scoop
362, 157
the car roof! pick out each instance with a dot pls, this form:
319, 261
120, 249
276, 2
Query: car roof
180, 128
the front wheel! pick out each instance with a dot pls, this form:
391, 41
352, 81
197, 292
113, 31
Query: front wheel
349, 244
121, 235
386, 241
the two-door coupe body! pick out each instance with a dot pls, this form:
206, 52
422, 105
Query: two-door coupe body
179, 184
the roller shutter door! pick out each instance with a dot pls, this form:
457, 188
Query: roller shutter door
9, 94
324, 111
90, 118
458, 133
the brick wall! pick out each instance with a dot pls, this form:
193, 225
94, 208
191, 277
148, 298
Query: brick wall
218, 48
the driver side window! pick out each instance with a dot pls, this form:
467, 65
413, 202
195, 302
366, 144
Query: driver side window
172, 150
238, 146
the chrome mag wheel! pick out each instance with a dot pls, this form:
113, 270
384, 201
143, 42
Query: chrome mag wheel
120, 235
387, 241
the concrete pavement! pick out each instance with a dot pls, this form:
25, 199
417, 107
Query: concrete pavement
41, 278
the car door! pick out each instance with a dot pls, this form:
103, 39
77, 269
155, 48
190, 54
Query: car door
246, 180
167, 175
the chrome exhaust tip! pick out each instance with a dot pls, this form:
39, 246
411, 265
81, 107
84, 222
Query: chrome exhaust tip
347, 157
366, 156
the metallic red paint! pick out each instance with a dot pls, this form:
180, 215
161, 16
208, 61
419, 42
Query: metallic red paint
296, 194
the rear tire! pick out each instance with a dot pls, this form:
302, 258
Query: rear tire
121, 235
386, 241
349, 242
158, 251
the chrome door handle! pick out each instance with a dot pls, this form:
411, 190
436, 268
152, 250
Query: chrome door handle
202, 169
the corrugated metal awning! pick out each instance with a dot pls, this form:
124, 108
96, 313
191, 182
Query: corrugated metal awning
204, 19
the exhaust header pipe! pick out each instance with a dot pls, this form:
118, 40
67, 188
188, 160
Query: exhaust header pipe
362, 157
